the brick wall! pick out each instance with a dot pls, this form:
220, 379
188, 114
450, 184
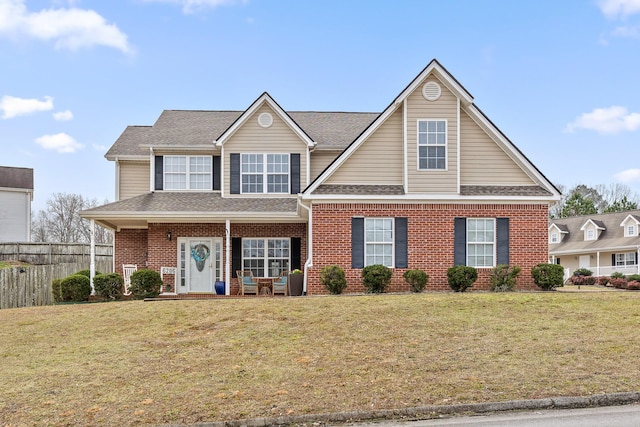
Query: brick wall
430, 240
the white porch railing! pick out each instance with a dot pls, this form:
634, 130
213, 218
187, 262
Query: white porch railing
608, 271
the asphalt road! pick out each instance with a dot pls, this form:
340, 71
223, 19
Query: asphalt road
607, 416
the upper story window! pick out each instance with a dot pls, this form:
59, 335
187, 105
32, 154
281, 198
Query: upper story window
264, 173
481, 242
187, 172
378, 241
432, 144
554, 237
631, 231
590, 234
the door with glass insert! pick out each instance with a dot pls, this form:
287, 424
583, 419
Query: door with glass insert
200, 264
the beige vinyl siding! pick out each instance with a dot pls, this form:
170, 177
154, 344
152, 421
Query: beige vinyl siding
252, 138
320, 160
378, 160
482, 162
444, 108
134, 179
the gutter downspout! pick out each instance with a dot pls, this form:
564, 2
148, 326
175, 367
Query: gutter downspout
309, 262
227, 265
92, 265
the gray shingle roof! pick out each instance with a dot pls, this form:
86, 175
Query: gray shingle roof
503, 190
360, 190
183, 128
11, 177
612, 237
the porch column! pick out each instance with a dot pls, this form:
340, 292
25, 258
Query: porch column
598, 263
92, 265
227, 263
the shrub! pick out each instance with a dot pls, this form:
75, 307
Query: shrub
582, 272
108, 286
55, 290
376, 278
75, 288
633, 277
145, 284
583, 280
417, 279
87, 273
617, 275
461, 277
633, 285
619, 282
332, 278
503, 278
547, 276
603, 280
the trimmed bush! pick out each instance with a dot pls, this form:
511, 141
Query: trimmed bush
582, 272
145, 284
633, 285
87, 273
461, 277
503, 278
619, 282
618, 275
633, 277
376, 278
109, 286
547, 276
55, 290
604, 280
75, 288
583, 280
417, 279
333, 279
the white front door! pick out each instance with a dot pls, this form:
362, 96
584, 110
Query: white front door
584, 261
200, 261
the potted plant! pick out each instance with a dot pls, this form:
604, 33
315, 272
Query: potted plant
295, 282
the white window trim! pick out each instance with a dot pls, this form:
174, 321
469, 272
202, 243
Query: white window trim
587, 236
393, 240
554, 238
187, 173
495, 243
446, 145
626, 255
266, 252
265, 172
630, 231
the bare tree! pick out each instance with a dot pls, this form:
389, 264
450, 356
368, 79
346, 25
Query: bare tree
615, 193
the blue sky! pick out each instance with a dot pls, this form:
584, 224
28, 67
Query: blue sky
559, 78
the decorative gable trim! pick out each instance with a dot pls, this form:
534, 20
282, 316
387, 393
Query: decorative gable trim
599, 225
265, 98
631, 222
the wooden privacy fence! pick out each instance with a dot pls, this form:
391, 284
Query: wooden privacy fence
31, 285
54, 253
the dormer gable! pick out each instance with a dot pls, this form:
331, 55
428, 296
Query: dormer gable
592, 229
631, 225
557, 233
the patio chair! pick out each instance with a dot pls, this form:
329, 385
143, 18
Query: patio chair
279, 285
247, 283
127, 271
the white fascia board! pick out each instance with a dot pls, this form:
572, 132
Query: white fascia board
592, 223
627, 219
265, 98
417, 198
557, 228
593, 250
129, 157
198, 147
153, 217
442, 75
352, 148
510, 150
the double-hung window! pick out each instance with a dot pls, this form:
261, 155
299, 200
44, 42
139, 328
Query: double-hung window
187, 172
481, 242
266, 257
264, 173
625, 259
379, 240
432, 144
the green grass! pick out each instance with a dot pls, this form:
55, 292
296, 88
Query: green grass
137, 363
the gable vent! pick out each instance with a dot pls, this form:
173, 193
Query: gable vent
431, 91
265, 120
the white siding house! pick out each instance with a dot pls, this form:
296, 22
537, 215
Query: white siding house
16, 194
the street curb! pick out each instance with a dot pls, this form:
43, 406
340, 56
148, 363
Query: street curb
434, 411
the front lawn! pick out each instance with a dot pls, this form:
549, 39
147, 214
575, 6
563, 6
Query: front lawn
173, 362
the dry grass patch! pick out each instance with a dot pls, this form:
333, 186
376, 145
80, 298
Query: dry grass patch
136, 363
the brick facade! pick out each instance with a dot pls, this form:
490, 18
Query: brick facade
430, 240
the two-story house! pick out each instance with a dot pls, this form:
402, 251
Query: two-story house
16, 195
428, 183
604, 244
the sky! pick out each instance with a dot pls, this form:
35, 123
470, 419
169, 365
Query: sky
560, 78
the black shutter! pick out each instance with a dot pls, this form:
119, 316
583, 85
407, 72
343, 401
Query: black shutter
296, 246
295, 173
234, 169
236, 255
357, 242
401, 235
159, 172
502, 240
636, 258
459, 241
613, 260
557, 260
216, 173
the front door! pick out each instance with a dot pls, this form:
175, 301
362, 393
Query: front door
584, 261
200, 264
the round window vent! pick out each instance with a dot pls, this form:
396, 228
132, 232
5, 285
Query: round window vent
265, 120
431, 91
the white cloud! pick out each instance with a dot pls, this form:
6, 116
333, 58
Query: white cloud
71, 29
629, 175
192, 6
99, 147
610, 120
626, 32
60, 142
619, 8
12, 106
63, 116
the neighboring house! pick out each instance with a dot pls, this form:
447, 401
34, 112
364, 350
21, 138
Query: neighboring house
16, 195
427, 184
604, 243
